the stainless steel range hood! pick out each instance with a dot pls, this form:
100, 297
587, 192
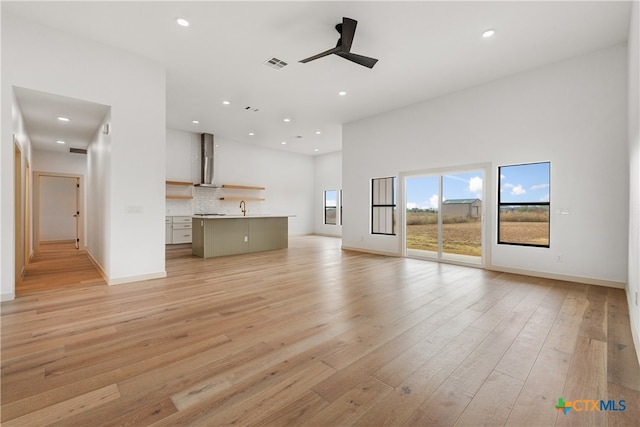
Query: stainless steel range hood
206, 160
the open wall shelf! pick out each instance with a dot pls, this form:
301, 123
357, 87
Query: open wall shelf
241, 187
180, 194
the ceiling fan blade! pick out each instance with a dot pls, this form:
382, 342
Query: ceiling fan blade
348, 32
358, 59
320, 55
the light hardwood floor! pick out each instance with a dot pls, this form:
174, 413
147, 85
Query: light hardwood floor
311, 335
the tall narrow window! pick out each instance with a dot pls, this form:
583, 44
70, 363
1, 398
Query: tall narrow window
523, 204
330, 207
383, 206
340, 207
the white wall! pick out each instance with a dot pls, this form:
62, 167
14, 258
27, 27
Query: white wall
135, 89
287, 177
98, 219
13, 121
633, 284
572, 113
328, 176
183, 154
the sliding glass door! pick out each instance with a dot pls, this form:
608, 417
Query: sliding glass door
444, 214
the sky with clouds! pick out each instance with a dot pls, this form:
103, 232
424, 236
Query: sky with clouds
522, 183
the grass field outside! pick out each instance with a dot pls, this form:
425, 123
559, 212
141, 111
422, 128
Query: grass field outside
463, 236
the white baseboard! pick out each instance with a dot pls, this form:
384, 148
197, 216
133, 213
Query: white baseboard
370, 251
125, 279
138, 278
576, 279
97, 265
8, 297
635, 334
327, 235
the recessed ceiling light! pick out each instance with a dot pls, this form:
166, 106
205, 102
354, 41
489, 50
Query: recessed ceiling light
226, 102
60, 142
287, 120
195, 122
488, 33
342, 93
284, 143
182, 22
318, 132
251, 133
63, 119
315, 149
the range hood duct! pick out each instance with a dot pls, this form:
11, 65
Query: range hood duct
206, 160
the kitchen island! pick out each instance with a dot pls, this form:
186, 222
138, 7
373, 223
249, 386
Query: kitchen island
220, 235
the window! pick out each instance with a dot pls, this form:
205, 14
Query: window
340, 205
330, 207
383, 206
523, 204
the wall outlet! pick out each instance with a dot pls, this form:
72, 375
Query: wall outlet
559, 258
133, 210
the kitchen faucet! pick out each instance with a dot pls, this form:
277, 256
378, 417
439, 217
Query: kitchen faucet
243, 208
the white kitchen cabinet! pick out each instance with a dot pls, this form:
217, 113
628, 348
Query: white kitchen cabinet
181, 229
168, 230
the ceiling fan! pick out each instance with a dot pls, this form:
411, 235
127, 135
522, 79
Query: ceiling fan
347, 30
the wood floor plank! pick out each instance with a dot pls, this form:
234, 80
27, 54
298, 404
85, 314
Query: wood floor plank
586, 384
309, 335
622, 363
350, 406
541, 390
631, 414
492, 404
62, 410
523, 352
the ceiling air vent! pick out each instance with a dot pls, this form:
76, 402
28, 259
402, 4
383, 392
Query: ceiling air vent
78, 150
275, 63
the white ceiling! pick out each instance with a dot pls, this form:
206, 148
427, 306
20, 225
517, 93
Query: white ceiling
425, 49
41, 110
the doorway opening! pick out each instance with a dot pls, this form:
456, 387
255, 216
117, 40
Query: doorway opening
58, 217
444, 215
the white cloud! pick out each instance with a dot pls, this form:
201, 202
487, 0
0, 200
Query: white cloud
433, 201
539, 186
475, 186
518, 190
412, 205
545, 198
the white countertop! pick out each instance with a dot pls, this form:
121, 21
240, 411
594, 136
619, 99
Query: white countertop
241, 216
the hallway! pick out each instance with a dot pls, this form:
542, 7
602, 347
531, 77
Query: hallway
58, 265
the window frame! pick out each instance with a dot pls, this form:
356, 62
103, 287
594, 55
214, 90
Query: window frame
501, 204
389, 206
335, 208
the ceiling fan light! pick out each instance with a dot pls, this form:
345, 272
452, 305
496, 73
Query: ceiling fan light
182, 22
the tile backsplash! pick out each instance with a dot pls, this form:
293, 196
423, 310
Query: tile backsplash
207, 200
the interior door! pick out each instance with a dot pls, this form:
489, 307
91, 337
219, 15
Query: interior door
58, 209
